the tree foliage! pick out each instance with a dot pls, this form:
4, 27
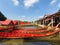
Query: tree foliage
2, 17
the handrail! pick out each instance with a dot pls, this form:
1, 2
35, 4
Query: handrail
44, 25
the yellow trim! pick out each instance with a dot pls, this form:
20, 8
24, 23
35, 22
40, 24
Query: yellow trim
57, 24
50, 23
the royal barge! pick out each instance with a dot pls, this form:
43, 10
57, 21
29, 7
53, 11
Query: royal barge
17, 29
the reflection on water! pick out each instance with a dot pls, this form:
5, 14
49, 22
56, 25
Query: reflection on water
36, 43
21, 42
29, 27
28, 43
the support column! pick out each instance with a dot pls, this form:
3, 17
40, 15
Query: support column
40, 22
43, 22
52, 21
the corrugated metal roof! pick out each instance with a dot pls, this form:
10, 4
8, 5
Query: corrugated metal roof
15, 22
6, 22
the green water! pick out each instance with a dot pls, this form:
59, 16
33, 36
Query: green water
21, 42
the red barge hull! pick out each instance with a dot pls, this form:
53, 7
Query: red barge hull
27, 33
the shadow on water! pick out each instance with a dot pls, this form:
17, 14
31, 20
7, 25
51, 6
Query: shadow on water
4, 39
